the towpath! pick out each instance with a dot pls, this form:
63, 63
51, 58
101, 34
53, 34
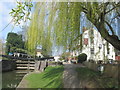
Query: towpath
70, 78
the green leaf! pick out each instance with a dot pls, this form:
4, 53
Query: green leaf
13, 10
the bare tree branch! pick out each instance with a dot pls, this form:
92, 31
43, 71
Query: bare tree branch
118, 5
7, 25
114, 18
110, 28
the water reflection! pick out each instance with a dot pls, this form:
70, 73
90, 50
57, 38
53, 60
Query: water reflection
11, 86
11, 79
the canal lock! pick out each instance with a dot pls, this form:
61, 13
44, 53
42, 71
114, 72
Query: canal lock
11, 79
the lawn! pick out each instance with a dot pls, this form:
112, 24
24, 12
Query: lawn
50, 78
94, 79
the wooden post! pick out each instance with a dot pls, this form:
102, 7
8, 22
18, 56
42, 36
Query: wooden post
28, 65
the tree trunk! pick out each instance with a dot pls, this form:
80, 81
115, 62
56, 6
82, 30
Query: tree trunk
112, 39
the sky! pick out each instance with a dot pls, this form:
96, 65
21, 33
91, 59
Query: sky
5, 18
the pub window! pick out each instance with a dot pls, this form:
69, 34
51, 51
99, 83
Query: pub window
108, 51
92, 50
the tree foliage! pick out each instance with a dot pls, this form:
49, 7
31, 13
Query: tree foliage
14, 41
21, 12
65, 55
58, 23
82, 57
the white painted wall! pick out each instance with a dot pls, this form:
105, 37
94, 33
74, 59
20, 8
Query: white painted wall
98, 53
56, 58
39, 54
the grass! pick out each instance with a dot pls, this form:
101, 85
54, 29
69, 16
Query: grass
85, 73
50, 78
95, 79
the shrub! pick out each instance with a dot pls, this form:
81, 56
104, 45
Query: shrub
82, 57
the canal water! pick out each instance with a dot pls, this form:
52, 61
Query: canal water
11, 79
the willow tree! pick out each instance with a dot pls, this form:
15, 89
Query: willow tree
67, 27
39, 32
59, 22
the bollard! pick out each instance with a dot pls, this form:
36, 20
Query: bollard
101, 69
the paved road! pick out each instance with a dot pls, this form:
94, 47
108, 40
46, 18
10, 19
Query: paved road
70, 79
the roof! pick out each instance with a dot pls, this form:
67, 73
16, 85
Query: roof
39, 50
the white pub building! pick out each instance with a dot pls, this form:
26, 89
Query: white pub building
95, 46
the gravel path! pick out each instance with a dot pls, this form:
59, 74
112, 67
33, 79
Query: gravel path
70, 79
